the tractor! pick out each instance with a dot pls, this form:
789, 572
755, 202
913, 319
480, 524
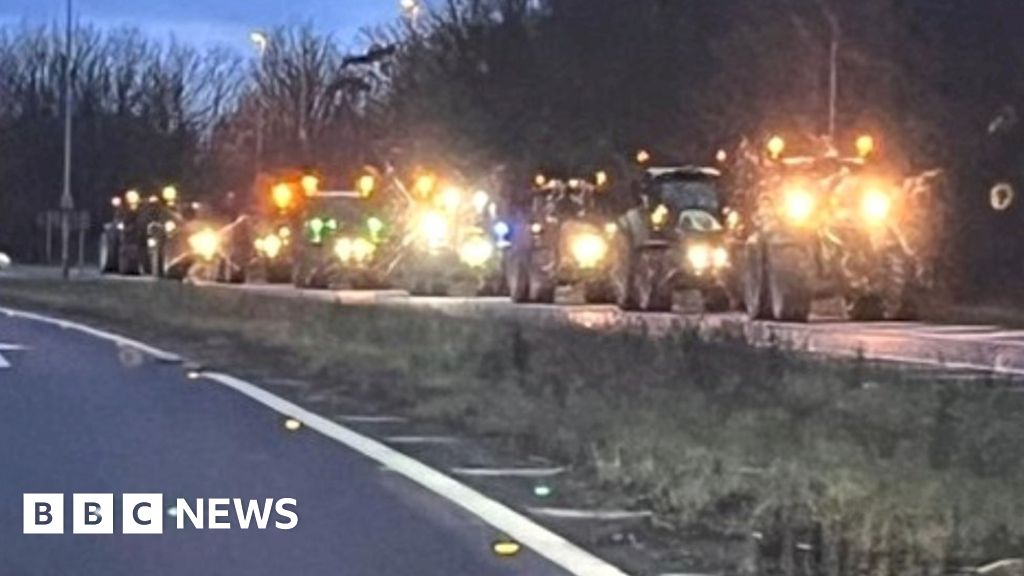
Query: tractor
825, 225
565, 238
673, 240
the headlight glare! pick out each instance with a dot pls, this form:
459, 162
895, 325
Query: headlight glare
799, 205
875, 206
476, 252
205, 243
588, 249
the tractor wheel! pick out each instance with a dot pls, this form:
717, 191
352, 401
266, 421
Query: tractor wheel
542, 282
158, 265
277, 273
870, 308
789, 281
755, 285
654, 294
519, 278
107, 253
624, 275
128, 263
542, 288
598, 292
228, 273
899, 289
716, 299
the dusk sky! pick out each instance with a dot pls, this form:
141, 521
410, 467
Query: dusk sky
204, 22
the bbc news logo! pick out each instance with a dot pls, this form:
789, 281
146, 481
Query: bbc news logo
144, 513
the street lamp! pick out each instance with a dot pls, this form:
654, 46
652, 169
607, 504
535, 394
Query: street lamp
67, 202
411, 8
260, 40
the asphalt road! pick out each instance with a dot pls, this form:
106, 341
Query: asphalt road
80, 415
966, 347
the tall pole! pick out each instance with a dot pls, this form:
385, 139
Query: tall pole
260, 40
67, 203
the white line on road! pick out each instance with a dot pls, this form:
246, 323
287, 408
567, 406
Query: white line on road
160, 355
371, 419
510, 472
8, 348
544, 542
422, 440
574, 514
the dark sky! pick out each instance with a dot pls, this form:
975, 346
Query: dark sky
205, 22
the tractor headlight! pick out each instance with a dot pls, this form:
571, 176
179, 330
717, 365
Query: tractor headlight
476, 252
720, 257
798, 205
358, 250
699, 256
588, 249
270, 245
433, 228
170, 226
205, 243
875, 206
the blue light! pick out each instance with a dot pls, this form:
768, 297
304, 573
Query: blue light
501, 229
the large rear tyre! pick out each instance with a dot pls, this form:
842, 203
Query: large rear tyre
128, 263
869, 308
107, 253
654, 294
228, 273
624, 275
755, 284
542, 288
519, 280
598, 292
789, 282
716, 299
899, 288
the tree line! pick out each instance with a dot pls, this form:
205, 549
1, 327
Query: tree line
524, 84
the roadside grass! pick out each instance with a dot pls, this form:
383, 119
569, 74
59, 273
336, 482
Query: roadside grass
838, 467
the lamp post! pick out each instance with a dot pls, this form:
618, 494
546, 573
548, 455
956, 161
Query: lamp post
411, 9
260, 41
67, 202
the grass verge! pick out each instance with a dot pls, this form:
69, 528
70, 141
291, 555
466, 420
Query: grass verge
819, 466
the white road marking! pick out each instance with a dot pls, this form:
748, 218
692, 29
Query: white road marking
509, 472
8, 348
160, 355
422, 440
544, 542
608, 515
371, 419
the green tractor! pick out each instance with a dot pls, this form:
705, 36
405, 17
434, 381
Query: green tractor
826, 226
673, 240
565, 238
340, 241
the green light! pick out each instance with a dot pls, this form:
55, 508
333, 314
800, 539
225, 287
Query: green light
541, 491
332, 224
316, 225
375, 225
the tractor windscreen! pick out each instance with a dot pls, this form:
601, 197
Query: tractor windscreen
679, 194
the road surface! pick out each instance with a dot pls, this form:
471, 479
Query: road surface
966, 347
81, 415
